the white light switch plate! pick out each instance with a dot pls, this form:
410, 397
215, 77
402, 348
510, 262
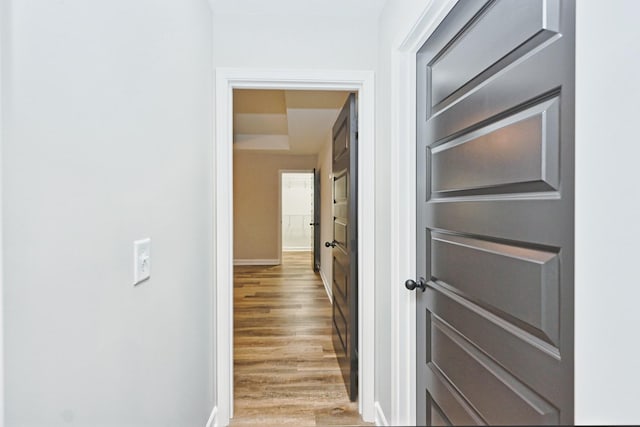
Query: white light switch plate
141, 260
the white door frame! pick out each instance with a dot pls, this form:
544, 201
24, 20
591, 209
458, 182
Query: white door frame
228, 79
280, 173
403, 209
2, 132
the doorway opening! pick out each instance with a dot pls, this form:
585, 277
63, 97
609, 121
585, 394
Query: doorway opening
226, 81
291, 341
296, 211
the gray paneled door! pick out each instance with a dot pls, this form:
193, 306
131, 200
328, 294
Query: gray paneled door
345, 245
495, 202
316, 220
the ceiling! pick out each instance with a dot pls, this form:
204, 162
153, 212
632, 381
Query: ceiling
354, 8
291, 121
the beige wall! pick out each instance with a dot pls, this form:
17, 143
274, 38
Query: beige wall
256, 182
326, 211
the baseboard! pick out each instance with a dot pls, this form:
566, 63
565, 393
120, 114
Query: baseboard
327, 287
213, 418
256, 262
297, 249
381, 420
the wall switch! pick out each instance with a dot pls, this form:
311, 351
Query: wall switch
141, 260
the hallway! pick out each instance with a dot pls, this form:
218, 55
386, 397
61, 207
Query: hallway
286, 371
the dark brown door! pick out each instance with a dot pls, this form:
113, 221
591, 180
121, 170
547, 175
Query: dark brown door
495, 152
345, 248
316, 220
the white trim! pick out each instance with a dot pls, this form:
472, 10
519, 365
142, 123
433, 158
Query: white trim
403, 210
381, 419
297, 249
223, 241
213, 421
226, 80
2, 130
256, 262
327, 286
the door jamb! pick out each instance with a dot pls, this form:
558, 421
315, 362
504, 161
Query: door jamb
2, 132
280, 173
3, 93
227, 79
403, 208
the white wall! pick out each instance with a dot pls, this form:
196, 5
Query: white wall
108, 114
607, 212
325, 166
281, 42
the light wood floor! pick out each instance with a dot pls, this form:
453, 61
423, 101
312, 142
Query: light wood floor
286, 371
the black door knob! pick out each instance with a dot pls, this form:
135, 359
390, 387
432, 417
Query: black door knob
411, 284
330, 244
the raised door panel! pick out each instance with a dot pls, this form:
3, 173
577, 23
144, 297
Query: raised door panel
495, 215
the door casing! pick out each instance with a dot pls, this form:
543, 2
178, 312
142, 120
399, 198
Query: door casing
226, 80
403, 211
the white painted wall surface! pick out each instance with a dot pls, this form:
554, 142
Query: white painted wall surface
317, 8
607, 212
108, 140
290, 41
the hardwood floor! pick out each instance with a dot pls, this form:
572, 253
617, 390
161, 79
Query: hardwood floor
286, 372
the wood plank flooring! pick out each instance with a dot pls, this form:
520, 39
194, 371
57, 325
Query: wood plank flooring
285, 368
